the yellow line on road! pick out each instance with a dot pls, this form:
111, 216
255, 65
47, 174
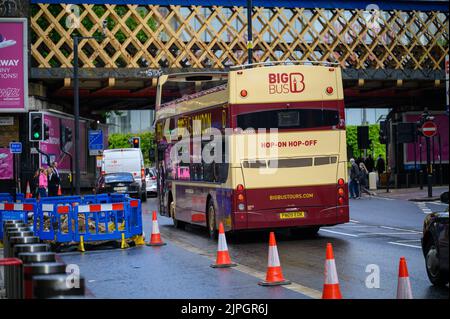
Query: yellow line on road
312, 293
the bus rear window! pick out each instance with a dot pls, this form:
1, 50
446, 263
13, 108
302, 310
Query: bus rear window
289, 119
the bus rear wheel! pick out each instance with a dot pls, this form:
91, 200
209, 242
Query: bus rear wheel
212, 230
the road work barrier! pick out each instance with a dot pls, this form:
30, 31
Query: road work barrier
19, 212
77, 219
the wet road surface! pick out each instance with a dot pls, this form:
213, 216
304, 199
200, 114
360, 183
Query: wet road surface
380, 232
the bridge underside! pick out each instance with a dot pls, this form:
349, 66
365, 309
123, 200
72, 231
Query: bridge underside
390, 57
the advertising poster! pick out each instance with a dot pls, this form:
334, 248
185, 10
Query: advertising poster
6, 164
13, 65
52, 145
441, 121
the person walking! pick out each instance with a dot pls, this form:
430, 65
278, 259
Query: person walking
354, 176
54, 180
380, 166
43, 182
370, 163
363, 180
35, 183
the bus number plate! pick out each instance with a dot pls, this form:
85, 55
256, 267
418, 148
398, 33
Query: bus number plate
292, 215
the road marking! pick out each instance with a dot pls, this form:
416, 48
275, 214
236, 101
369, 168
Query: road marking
403, 229
365, 234
310, 292
385, 198
355, 226
354, 221
406, 245
407, 241
337, 232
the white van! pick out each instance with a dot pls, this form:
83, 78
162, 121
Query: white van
128, 160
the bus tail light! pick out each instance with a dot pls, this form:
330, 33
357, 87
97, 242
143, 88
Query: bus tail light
240, 197
341, 192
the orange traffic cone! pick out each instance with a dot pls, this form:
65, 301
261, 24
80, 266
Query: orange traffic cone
331, 288
59, 191
223, 259
28, 193
403, 286
155, 239
274, 275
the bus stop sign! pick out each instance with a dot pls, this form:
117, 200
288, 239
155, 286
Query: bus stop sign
429, 129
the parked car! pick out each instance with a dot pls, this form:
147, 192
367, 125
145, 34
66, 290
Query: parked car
150, 181
435, 245
122, 182
128, 160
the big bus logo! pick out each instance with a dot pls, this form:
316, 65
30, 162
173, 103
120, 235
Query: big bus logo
285, 83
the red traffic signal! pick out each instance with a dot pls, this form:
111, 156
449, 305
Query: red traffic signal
136, 142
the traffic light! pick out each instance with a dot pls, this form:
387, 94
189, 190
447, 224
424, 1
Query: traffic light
68, 134
46, 132
136, 142
36, 126
384, 132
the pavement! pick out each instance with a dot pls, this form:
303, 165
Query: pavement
413, 194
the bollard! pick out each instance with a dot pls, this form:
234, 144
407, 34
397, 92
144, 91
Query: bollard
20, 240
14, 282
30, 248
40, 257
14, 232
57, 286
9, 253
31, 270
6, 230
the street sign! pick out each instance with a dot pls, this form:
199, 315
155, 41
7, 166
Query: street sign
429, 129
15, 147
95, 142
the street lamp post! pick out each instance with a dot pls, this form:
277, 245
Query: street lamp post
249, 31
76, 105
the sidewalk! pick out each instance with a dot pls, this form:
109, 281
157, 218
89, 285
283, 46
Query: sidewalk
413, 194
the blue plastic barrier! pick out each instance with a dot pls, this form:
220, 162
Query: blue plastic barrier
6, 198
63, 219
17, 211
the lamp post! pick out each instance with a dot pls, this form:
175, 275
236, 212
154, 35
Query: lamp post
249, 31
76, 103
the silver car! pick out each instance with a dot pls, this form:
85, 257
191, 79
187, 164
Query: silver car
150, 178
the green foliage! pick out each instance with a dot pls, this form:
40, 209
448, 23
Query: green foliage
376, 148
99, 10
119, 140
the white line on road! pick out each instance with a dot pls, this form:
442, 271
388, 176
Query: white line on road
395, 228
367, 234
406, 245
354, 221
337, 232
407, 241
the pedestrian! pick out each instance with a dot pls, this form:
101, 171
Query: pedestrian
354, 175
35, 184
363, 180
380, 166
370, 163
43, 182
54, 180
